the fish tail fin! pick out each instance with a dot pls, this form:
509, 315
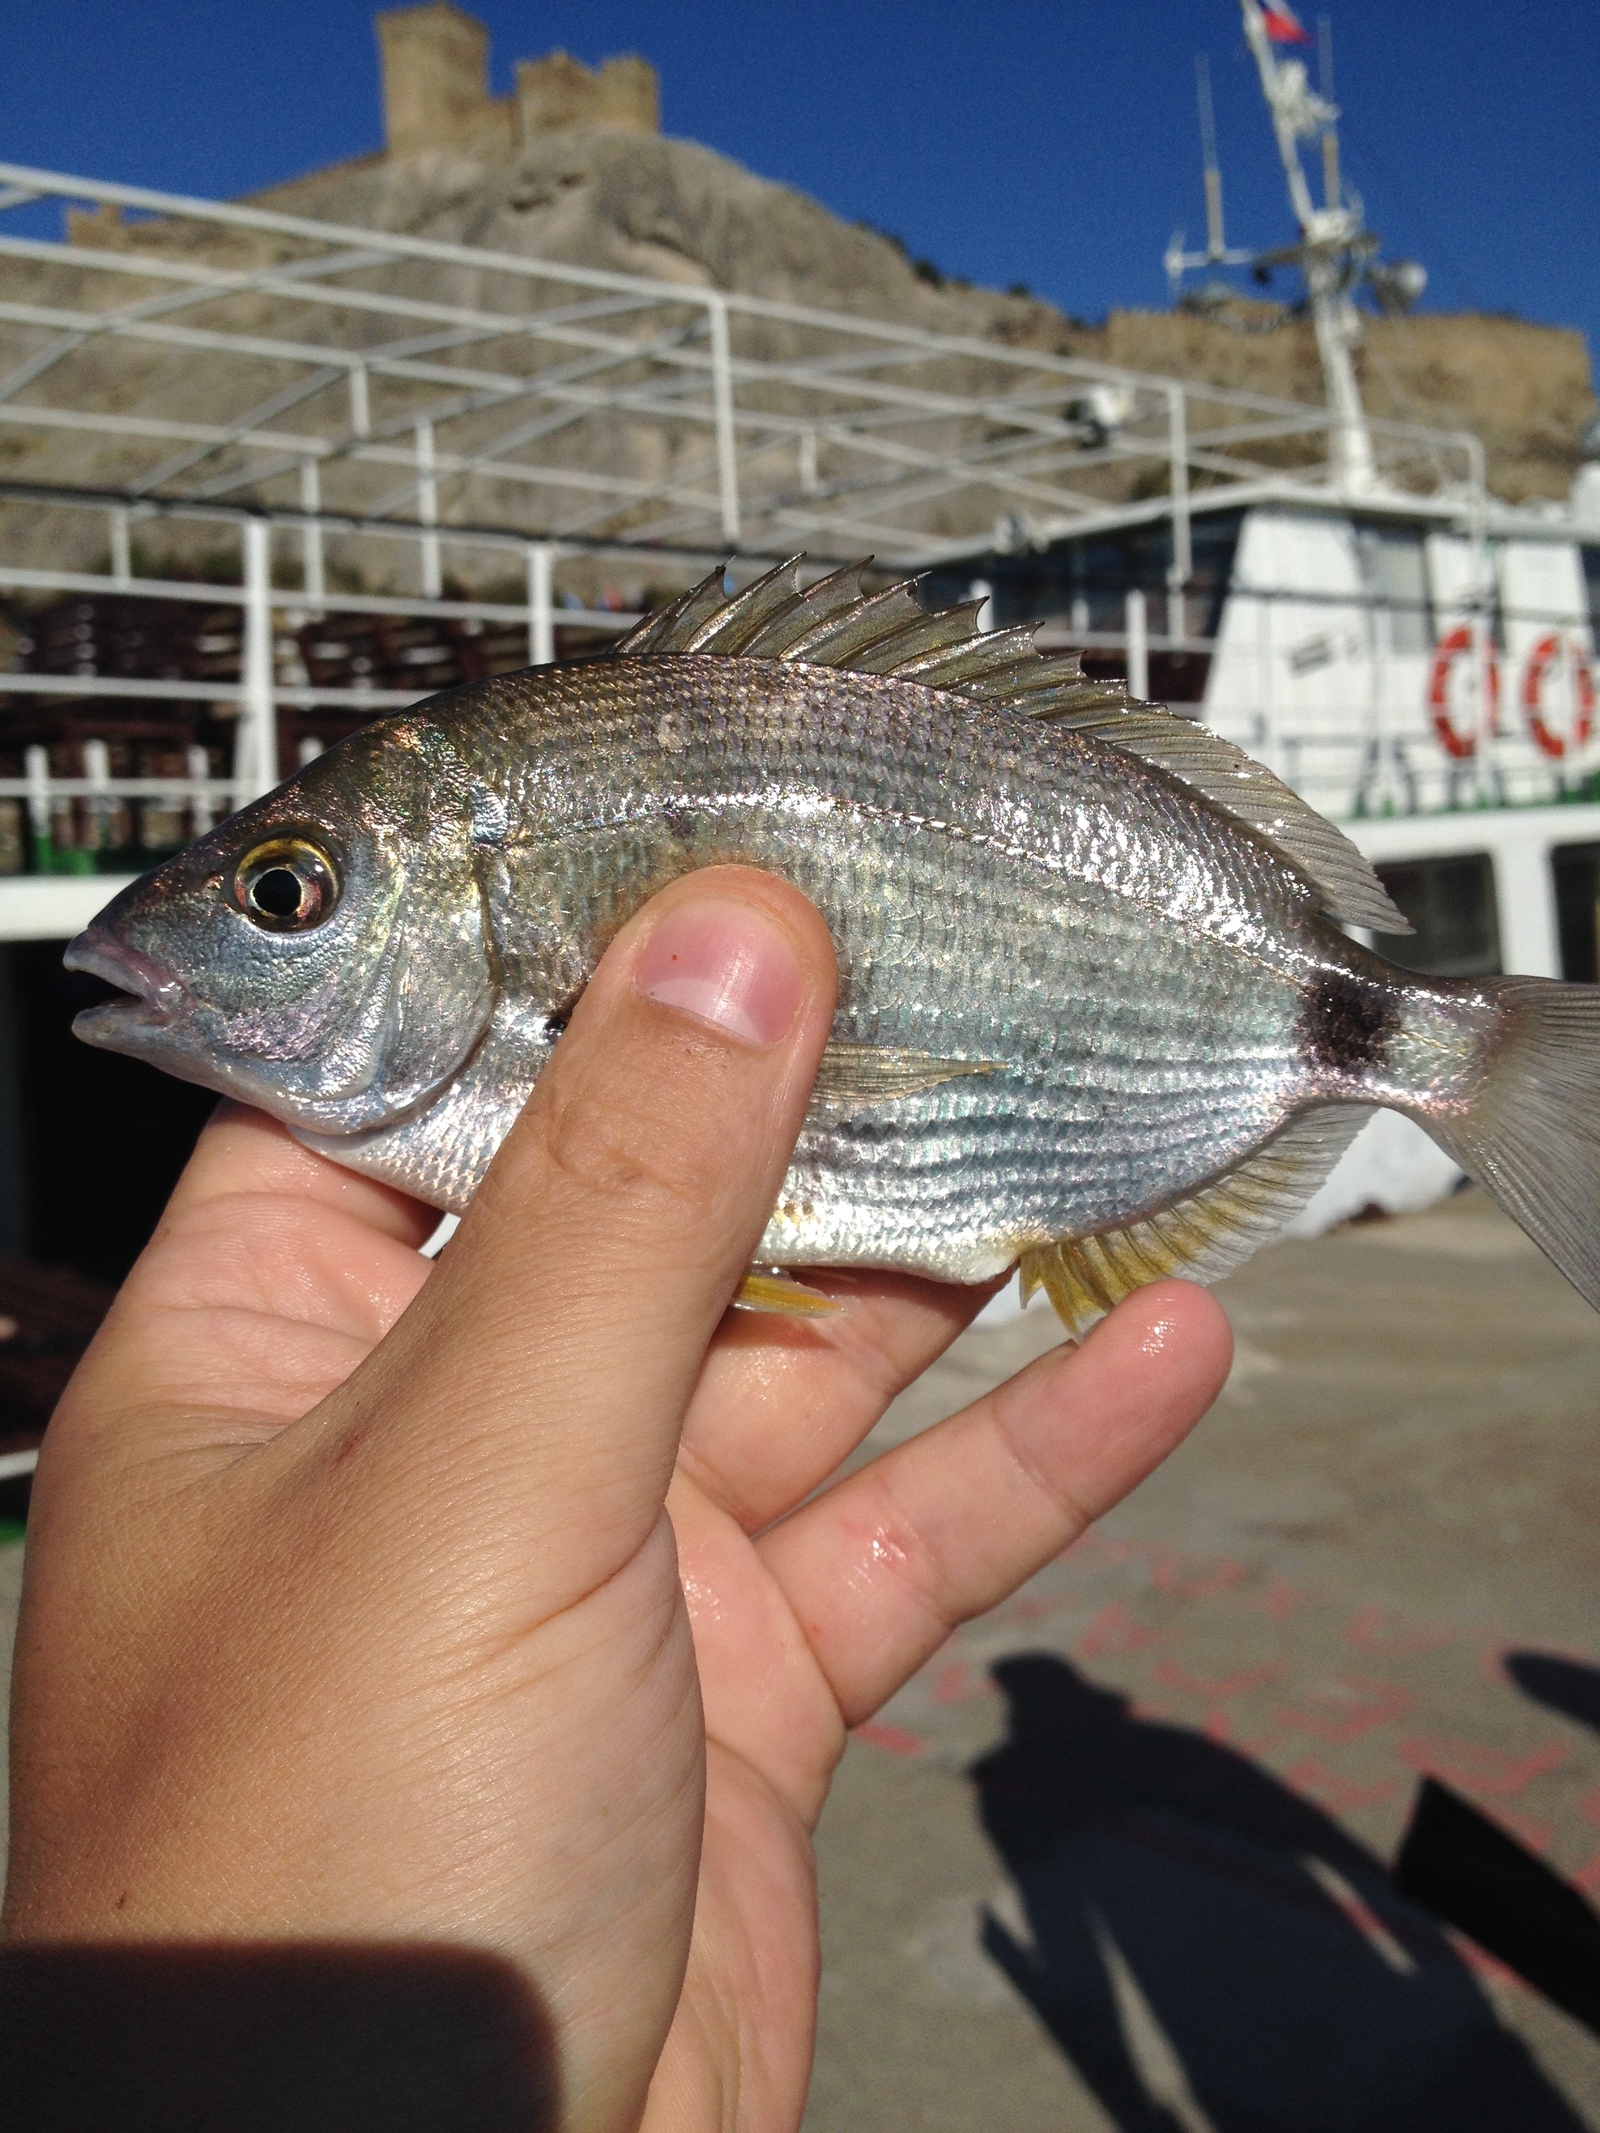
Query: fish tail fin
1531, 1133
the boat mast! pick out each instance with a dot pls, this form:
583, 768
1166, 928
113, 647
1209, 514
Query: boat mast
1332, 251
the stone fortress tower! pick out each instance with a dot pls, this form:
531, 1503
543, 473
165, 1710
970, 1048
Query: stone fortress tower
436, 88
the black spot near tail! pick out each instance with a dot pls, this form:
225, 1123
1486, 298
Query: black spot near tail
1345, 1023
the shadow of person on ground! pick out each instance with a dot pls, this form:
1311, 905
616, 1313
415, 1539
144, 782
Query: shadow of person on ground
1561, 1684
1215, 1954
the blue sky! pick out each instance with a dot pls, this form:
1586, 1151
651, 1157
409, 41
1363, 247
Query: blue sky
1051, 142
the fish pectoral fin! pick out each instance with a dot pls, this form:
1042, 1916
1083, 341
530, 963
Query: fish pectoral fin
769, 1288
1201, 1237
853, 1075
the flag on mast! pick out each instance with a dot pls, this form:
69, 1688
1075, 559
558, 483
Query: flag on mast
1283, 26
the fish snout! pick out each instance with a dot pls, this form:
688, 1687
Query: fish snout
153, 998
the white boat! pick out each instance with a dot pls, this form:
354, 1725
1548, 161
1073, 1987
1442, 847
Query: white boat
1420, 667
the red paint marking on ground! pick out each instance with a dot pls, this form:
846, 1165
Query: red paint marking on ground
1280, 1600
1339, 1794
1114, 1630
1375, 1629
894, 1739
959, 1684
1587, 1877
1589, 1805
1348, 1708
1473, 1768
1196, 1577
1225, 1687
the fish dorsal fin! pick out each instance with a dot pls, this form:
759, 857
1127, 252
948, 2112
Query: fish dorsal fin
833, 623
1346, 885
1203, 1236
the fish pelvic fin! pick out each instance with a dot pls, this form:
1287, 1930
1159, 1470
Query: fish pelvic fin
1200, 1237
1530, 1134
854, 1076
769, 1288
833, 623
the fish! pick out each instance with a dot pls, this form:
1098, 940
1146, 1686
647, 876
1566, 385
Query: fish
1108, 1009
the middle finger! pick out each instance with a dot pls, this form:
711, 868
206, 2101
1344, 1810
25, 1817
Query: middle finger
780, 1402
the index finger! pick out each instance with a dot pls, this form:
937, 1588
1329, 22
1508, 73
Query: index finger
241, 1151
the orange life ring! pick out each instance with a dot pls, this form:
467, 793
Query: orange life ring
1455, 743
1540, 660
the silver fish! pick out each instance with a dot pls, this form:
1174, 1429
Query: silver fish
1097, 1013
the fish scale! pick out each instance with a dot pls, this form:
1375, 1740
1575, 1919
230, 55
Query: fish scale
1094, 1009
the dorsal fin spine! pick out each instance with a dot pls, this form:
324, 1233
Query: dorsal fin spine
887, 633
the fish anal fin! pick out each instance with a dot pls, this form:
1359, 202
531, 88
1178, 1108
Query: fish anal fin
1200, 1237
854, 1075
770, 1289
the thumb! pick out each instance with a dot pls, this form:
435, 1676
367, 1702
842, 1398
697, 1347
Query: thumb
554, 1350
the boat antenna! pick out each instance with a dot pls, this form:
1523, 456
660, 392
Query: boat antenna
1333, 246
1330, 132
1178, 262
1216, 242
1336, 252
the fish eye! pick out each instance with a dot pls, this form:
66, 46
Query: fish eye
286, 886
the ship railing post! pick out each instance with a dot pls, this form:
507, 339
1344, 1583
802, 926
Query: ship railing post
255, 752
722, 407
199, 795
428, 510
313, 570
1485, 766
1178, 485
360, 402
1138, 645
121, 546
541, 606
97, 776
36, 769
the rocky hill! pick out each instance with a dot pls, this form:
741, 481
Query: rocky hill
551, 181
572, 168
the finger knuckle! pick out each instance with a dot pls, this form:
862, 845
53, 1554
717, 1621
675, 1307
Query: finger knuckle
627, 1157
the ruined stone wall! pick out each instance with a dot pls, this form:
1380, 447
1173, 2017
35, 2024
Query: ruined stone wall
435, 61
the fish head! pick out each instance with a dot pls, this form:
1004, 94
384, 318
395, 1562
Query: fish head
320, 954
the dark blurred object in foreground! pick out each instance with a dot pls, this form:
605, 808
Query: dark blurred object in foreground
1468, 1871
48, 1316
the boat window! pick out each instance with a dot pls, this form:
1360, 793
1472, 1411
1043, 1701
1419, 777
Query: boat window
1086, 581
1591, 578
1451, 903
1394, 563
1577, 871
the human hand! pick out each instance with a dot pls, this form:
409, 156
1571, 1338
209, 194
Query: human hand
484, 1608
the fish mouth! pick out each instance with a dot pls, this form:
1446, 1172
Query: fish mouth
152, 998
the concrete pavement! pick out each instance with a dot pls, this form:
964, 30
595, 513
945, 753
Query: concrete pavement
1118, 1856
